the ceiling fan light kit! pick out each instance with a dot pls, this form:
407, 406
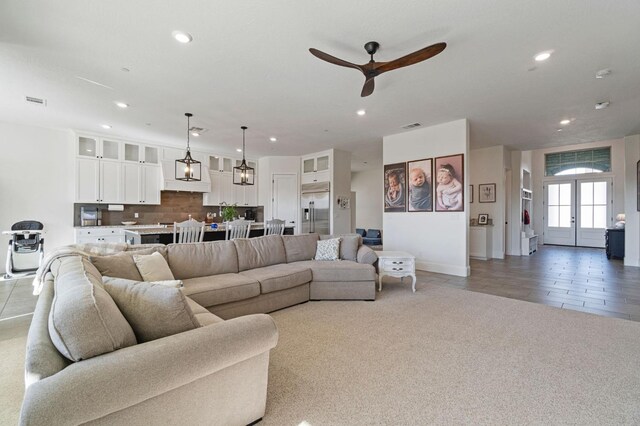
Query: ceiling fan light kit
188, 169
372, 69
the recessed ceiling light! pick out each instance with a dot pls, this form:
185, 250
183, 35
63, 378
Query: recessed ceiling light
603, 73
182, 37
565, 122
602, 105
239, 150
105, 126
196, 134
361, 112
125, 69
272, 139
122, 104
542, 56
558, 130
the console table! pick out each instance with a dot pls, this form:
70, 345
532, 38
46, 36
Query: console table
396, 264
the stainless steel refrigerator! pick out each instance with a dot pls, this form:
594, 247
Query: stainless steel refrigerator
315, 208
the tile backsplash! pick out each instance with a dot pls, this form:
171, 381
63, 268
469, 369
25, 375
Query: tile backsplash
174, 207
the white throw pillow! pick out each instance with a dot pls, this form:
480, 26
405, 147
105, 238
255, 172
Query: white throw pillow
153, 267
328, 249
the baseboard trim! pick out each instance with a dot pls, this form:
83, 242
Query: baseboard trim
631, 262
443, 268
498, 255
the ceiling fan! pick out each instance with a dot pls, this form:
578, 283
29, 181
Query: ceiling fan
373, 69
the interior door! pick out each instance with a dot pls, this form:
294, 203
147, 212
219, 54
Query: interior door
594, 201
284, 198
560, 213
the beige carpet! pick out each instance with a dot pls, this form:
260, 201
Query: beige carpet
439, 356
447, 356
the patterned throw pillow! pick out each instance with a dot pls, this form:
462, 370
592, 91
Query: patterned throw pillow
328, 249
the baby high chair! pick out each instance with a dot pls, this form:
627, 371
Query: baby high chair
26, 248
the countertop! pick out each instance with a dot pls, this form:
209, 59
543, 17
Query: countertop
166, 229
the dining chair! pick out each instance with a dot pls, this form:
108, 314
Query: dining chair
189, 231
237, 229
274, 227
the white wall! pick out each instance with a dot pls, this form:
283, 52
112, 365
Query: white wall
632, 226
487, 166
340, 187
438, 240
367, 185
37, 182
617, 173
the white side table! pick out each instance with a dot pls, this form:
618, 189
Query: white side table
396, 264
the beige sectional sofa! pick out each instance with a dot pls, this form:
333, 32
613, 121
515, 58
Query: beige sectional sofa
84, 366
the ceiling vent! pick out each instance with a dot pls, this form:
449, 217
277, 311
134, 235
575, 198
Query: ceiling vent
197, 129
411, 126
36, 101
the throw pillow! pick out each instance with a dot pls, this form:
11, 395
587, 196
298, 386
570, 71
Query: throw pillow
153, 310
167, 283
119, 265
349, 245
153, 267
328, 249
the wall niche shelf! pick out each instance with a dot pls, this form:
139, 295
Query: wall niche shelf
528, 240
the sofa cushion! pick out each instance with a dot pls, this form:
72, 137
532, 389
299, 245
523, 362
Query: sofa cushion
259, 252
349, 244
344, 270
153, 267
328, 249
220, 289
203, 316
279, 277
84, 320
300, 247
202, 259
366, 255
153, 310
121, 265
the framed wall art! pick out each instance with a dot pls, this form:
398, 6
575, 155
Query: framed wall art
487, 193
420, 184
483, 218
395, 184
471, 193
449, 184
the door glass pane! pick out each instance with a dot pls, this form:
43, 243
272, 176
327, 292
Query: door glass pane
600, 217
586, 193
110, 150
323, 163
586, 217
554, 213
565, 215
554, 195
565, 194
150, 155
131, 152
307, 166
600, 193
87, 147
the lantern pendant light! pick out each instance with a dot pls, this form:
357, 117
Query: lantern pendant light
188, 169
243, 174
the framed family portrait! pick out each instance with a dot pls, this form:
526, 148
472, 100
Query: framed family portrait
420, 184
395, 183
449, 183
483, 219
487, 193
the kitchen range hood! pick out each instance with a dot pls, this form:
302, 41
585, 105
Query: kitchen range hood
170, 183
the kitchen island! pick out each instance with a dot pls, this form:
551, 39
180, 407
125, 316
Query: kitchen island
165, 235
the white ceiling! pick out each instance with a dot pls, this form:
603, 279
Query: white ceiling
249, 65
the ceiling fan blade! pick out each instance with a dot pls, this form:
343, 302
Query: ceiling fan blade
333, 60
368, 87
412, 58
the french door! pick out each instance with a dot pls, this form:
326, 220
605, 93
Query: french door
577, 212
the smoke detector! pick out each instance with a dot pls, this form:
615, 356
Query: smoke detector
36, 101
603, 73
602, 105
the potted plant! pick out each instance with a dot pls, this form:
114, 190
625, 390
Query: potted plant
229, 212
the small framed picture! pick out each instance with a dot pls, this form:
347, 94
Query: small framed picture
471, 193
419, 185
395, 187
487, 193
483, 219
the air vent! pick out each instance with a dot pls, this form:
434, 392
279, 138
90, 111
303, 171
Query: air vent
411, 126
197, 129
36, 101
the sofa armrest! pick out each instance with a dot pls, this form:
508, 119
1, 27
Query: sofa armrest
366, 255
93, 388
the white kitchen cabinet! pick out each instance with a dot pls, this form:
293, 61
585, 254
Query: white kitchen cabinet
222, 188
220, 163
316, 168
98, 181
99, 235
213, 197
141, 183
142, 154
94, 147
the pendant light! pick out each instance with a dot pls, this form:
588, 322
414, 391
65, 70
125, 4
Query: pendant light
243, 174
187, 168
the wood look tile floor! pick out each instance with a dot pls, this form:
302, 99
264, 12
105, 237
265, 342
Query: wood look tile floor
581, 279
